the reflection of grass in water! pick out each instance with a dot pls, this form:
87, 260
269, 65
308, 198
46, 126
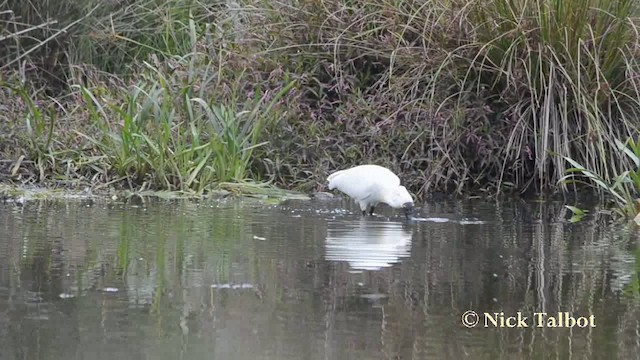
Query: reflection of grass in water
573, 261
177, 240
633, 289
54, 245
147, 250
548, 265
123, 246
160, 261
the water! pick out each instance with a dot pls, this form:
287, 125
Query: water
311, 280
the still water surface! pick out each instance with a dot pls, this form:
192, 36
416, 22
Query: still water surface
239, 279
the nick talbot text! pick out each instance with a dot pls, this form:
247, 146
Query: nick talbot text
538, 319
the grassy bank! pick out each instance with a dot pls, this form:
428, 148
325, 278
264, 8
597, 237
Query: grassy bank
183, 95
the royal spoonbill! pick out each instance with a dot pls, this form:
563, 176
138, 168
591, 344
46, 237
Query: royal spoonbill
369, 185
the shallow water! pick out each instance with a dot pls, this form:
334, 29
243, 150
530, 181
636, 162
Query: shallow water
312, 280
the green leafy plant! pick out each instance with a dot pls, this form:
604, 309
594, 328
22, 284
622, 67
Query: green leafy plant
623, 188
236, 133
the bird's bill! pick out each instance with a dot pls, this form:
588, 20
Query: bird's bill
408, 209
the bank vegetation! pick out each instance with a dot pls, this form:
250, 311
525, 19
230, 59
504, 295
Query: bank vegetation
459, 96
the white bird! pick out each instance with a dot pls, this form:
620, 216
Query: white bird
369, 185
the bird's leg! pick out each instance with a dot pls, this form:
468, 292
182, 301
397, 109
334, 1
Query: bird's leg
371, 211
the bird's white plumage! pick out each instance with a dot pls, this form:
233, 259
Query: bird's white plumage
369, 185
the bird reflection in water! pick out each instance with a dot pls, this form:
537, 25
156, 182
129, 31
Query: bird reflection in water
366, 244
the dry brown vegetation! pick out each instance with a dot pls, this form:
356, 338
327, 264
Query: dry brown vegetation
180, 95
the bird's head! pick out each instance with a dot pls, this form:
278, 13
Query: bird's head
408, 209
400, 198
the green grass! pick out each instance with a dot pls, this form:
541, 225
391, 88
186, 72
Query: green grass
623, 188
165, 135
168, 128
561, 70
487, 96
